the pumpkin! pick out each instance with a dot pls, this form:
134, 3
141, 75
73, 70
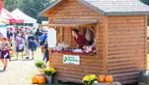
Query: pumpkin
101, 78
109, 79
34, 80
41, 79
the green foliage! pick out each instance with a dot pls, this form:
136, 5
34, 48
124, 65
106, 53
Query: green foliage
49, 71
30, 7
89, 79
145, 1
39, 63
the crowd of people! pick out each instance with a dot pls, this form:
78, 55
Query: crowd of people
22, 41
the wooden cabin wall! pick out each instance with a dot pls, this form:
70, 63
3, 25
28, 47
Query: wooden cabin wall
75, 73
73, 11
101, 42
127, 45
67, 35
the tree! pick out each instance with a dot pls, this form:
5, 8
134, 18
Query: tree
145, 1
30, 7
12, 4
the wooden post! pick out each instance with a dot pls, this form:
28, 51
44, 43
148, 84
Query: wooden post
105, 45
146, 41
96, 37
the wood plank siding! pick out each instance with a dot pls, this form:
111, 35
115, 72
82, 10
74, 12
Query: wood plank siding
73, 11
121, 43
89, 65
126, 47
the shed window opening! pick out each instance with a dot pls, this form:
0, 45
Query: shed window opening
79, 40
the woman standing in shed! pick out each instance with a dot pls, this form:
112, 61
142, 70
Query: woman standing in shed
80, 39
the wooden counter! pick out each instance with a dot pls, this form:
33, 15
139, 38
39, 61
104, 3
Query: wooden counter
74, 73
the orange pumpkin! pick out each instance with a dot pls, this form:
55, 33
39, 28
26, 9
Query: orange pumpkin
41, 79
109, 79
101, 78
34, 80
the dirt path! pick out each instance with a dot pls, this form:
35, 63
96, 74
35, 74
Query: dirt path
19, 72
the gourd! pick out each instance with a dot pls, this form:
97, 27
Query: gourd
34, 80
109, 79
41, 79
101, 78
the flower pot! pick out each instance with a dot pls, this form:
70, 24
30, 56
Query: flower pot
49, 80
95, 83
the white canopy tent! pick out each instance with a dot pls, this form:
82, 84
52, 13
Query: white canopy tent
27, 19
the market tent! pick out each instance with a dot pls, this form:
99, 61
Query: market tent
3, 21
7, 17
3, 30
26, 18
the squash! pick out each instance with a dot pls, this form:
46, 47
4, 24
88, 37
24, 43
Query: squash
109, 79
34, 80
101, 78
41, 79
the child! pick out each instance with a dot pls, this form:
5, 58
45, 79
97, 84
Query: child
46, 53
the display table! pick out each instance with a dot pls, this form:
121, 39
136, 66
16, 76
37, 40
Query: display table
69, 52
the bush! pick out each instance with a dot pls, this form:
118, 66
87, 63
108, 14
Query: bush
39, 63
49, 71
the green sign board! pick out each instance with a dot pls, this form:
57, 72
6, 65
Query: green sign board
71, 59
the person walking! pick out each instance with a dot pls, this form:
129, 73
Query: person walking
19, 45
32, 45
26, 43
38, 34
5, 52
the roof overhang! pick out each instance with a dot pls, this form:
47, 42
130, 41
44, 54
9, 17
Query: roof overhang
126, 13
72, 24
96, 9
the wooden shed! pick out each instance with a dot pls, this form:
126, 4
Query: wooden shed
120, 27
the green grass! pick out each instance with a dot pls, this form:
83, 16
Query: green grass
14, 58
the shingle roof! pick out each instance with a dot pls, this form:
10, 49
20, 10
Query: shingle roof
110, 7
114, 7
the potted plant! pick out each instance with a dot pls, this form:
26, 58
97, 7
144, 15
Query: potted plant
39, 64
90, 80
49, 72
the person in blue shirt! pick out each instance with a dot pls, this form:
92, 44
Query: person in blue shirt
43, 39
32, 45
